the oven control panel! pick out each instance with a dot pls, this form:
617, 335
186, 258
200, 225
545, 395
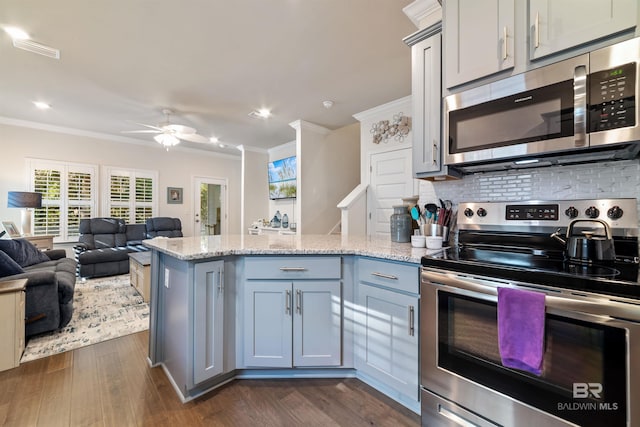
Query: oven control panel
619, 214
532, 212
612, 100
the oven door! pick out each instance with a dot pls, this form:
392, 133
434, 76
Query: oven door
587, 379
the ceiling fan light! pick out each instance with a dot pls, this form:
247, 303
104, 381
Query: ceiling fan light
166, 139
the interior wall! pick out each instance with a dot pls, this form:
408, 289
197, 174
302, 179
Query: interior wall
175, 167
255, 187
368, 119
372, 116
327, 172
285, 206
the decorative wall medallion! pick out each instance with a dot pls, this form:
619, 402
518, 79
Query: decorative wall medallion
396, 129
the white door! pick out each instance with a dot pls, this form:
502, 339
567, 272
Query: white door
390, 180
210, 206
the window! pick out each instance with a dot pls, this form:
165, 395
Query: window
68, 195
131, 195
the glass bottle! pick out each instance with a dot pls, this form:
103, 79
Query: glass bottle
401, 224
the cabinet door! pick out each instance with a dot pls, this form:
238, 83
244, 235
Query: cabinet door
208, 320
267, 324
427, 94
478, 39
558, 25
317, 323
387, 338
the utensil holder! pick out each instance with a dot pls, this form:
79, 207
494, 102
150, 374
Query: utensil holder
445, 235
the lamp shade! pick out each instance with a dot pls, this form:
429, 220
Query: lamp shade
24, 199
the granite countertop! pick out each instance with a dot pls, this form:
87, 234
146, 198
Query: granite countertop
196, 248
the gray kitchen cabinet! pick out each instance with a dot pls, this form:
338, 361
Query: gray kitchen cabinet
267, 324
558, 25
190, 340
426, 91
386, 328
292, 312
478, 39
208, 322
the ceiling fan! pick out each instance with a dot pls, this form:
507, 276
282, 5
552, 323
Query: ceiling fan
169, 134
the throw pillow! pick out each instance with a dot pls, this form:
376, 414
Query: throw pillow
8, 267
23, 252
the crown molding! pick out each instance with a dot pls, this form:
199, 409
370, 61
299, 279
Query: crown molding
103, 136
299, 125
389, 107
419, 10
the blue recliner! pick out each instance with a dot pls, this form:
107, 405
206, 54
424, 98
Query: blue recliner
164, 226
104, 245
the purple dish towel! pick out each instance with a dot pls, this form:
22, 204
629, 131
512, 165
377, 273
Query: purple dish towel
521, 329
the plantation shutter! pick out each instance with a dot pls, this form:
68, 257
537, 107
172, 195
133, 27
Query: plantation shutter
132, 194
144, 199
46, 220
80, 200
119, 195
68, 195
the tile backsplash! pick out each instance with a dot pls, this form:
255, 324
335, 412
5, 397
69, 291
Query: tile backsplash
616, 179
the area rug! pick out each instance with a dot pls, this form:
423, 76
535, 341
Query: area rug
103, 309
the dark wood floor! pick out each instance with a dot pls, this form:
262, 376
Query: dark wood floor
111, 384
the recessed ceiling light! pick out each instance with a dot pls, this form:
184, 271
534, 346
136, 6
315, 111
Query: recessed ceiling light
221, 145
213, 139
41, 105
16, 33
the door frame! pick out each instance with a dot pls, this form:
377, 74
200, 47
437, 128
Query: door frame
196, 180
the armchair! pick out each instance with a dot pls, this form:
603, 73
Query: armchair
51, 279
164, 226
102, 247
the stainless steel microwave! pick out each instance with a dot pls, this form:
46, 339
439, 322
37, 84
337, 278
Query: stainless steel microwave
580, 109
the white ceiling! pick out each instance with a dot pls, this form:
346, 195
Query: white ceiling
211, 61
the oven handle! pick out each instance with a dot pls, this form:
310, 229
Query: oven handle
489, 292
580, 106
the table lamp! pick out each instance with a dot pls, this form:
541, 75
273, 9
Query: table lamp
26, 200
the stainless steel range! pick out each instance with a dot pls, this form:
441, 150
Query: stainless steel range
582, 256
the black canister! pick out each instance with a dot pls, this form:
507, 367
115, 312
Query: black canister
401, 224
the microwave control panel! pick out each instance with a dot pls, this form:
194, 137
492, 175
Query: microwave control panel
612, 101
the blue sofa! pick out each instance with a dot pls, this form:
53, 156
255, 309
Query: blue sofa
105, 243
51, 280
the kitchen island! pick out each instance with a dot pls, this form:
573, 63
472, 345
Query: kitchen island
269, 306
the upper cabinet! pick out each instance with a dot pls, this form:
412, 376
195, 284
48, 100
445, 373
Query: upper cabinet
558, 25
485, 37
478, 39
426, 91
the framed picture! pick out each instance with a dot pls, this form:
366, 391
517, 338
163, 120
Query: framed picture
174, 195
11, 229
